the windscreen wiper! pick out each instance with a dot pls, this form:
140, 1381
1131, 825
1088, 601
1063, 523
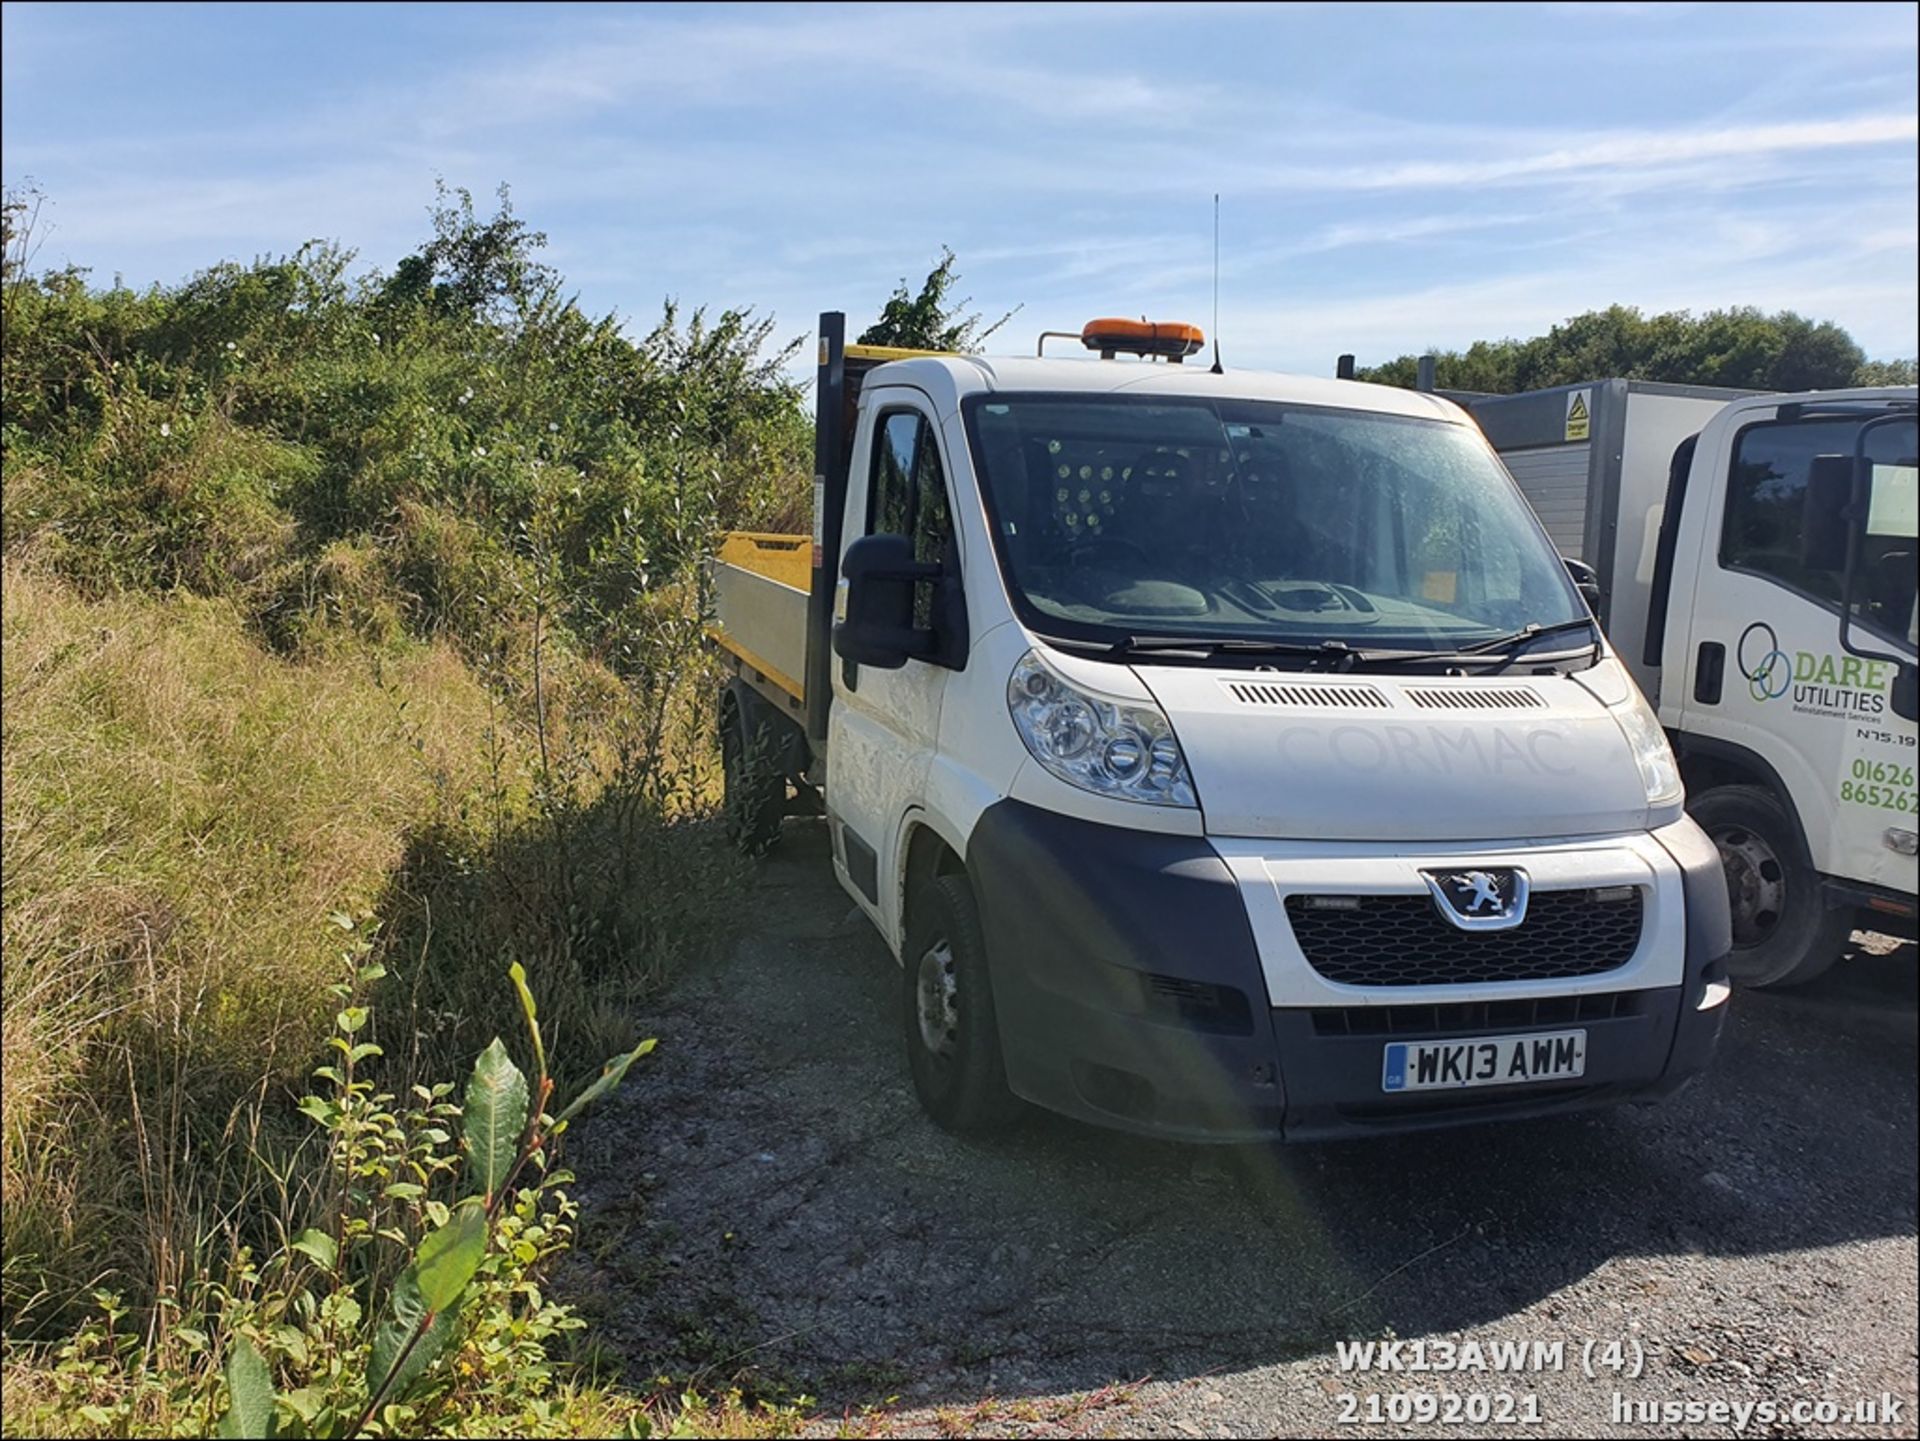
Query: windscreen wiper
1336, 653
1504, 649
1518, 638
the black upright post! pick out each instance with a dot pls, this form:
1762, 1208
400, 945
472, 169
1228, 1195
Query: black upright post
829, 512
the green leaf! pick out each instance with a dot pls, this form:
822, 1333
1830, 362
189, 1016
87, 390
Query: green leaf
611, 1075
293, 1341
320, 1111
250, 1393
351, 1019
519, 974
495, 1117
319, 1247
405, 1313
405, 1191
342, 920
449, 1256
306, 1403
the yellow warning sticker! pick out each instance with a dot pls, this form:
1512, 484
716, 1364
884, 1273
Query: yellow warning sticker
1579, 415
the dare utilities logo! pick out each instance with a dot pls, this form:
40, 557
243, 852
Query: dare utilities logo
1767, 668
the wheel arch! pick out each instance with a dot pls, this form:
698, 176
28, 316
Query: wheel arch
928, 850
761, 725
1707, 763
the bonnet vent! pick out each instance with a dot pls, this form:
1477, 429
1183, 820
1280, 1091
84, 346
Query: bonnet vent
1317, 696
1476, 698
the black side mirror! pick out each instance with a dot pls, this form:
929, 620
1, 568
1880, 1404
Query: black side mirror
878, 628
1586, 580
1825, 517
1905, 699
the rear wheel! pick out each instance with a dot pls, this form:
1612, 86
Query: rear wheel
1783, 931
952, 1034
756, 794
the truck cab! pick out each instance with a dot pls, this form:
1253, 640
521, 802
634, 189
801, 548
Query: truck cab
1783, 622
1220, 755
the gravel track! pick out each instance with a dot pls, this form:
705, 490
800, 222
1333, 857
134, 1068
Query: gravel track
765, 1204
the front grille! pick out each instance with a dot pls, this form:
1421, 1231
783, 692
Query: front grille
1403, 941
1463, 1018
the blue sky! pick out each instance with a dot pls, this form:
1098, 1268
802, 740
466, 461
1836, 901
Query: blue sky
1392, 178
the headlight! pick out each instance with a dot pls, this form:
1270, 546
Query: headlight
1650, 750
1110, 747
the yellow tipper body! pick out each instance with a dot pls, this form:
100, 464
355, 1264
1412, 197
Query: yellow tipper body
760, 595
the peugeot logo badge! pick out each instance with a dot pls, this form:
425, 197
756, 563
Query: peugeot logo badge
1494, 899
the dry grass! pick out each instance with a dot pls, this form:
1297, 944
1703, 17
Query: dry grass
183, 812
188, 814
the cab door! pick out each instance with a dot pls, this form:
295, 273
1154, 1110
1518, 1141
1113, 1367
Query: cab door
1764, 670
885, 724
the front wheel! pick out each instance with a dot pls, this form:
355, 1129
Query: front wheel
1783, 931
952, 1033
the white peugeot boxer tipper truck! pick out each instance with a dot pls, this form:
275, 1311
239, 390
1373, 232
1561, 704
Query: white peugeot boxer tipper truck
1222, 755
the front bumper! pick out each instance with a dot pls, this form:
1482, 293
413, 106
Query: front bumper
1131, 992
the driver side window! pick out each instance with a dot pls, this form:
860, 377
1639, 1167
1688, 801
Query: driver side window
1761, 530
907, 494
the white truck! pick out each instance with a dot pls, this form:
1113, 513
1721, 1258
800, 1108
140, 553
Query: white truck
1754, 561
1221, 755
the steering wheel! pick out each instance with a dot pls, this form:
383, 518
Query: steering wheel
1089, 544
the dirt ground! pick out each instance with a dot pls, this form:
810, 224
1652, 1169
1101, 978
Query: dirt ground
765, 1205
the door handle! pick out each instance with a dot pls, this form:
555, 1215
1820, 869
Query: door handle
1709, 672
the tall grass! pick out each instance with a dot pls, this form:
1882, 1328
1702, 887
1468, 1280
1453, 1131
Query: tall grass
336, 610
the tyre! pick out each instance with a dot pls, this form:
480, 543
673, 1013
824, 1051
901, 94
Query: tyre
952, 1034
755, 795
1784, 933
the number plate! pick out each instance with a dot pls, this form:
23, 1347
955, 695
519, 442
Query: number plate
1483, 1061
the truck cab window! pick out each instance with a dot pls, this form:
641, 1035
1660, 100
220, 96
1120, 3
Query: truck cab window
908, 494
1765, 496
1119, 516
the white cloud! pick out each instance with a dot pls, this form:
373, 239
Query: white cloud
1648, 150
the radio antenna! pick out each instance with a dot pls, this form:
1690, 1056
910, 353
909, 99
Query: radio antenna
1217, 368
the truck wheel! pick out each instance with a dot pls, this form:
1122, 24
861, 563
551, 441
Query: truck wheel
1783, 931
953, 1038
755, 796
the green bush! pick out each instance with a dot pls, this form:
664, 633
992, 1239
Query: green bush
231, 434
413, 1308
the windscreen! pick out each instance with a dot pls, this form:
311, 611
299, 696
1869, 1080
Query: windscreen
1142, 516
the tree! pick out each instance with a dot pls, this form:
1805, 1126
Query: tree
929, 321
482, 269
1887, 372
1742, 348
